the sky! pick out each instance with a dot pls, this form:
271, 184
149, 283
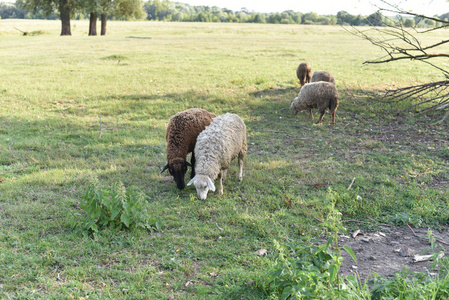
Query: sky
323, 7
326, 7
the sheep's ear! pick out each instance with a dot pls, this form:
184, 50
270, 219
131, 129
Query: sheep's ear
165, 168
210, 184
191, 181
188, 164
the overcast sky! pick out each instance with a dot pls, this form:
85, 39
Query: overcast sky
323, 7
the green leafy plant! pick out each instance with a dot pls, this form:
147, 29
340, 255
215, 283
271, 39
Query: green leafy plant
410, 285
309, 269
116, 207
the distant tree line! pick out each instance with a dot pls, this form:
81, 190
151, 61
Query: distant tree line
11, 11
165, 10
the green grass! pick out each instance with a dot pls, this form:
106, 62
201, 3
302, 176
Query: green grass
77, 108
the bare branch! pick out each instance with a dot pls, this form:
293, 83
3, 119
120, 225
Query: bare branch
401, 43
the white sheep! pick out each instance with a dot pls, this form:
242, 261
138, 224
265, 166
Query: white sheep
216, 146
322, 95
322, 76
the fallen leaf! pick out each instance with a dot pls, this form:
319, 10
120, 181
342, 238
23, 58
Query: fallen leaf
261, 252
318, 185
212, 274
188, 283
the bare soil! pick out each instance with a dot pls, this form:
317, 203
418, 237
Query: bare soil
389, 250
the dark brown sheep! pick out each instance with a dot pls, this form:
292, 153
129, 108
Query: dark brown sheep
182, 131
304, 73
323, 76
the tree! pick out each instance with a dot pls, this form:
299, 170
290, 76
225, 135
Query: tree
275, 18
345, 18
401, 43
91, 7
409, 22
309, 18
159, 10
258, 18
376, 19
66, 9
129, 9
105, 8
126, 9
93, 23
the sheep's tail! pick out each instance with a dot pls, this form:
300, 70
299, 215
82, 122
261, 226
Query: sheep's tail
333, 104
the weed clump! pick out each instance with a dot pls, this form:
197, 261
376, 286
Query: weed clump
117, 208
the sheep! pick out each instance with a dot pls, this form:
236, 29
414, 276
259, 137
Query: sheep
304, 73
319, 95
182, 131
322, 76
222, 141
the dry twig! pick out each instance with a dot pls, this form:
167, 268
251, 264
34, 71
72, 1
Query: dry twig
352, 182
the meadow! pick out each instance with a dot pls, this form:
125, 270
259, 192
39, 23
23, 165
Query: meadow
79, 109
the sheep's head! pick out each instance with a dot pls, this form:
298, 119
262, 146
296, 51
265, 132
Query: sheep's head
298, 105
203, 184
178, 168
293, 107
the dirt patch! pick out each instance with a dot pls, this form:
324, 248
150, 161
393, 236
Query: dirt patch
389, 250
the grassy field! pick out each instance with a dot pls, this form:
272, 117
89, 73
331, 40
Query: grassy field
78, 109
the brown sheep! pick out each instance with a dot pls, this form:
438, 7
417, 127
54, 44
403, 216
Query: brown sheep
182, 131
323, 76
320, 95
304, 73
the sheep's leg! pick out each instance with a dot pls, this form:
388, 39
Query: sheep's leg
240, 167
220, 183
333, 116
320, 119
310, 112
225, 173
192, 162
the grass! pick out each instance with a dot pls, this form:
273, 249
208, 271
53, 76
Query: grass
76, 109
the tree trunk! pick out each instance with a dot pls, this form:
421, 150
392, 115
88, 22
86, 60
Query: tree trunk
64, 11
93, 24
104, 19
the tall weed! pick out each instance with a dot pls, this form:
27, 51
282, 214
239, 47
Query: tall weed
117, 208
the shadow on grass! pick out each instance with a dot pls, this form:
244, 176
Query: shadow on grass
41, 151
275, 93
